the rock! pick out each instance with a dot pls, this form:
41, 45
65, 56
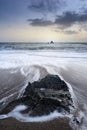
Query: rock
45, 96
49, 94
51, 42
49, 82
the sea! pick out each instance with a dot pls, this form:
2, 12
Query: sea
21, 63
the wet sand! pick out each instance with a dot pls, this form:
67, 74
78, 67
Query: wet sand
13, 124
11, 81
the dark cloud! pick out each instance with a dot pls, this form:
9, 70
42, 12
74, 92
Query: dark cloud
85, 10
45, 5
43, 23
40, 22
63, 21
70, 18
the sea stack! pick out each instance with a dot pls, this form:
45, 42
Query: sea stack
51, 42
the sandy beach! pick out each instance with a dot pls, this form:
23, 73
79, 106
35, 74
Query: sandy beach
13, 124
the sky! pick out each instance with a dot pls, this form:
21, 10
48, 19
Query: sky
43, 20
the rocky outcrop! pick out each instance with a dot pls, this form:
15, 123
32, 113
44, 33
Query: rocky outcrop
49, 94
45, 96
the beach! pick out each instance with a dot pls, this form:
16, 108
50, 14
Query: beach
20, 68
13, 124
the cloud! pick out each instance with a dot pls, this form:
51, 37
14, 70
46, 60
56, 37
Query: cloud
70, 32
63, 22
67, 19
67, 31
45, 5
40, 22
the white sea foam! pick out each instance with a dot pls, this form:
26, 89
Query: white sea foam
14, 59
79, 121
26, 118
22, 90
3, 116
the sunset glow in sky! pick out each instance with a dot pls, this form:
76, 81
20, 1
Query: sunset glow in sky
43, 20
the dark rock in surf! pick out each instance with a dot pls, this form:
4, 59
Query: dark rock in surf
45, 96
51, 42
49, 94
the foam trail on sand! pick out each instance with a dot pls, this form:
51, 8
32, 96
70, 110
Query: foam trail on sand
26, 118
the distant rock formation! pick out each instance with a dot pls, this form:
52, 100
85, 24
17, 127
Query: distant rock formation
51, 42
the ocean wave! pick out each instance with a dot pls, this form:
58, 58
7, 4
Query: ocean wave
74, 47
